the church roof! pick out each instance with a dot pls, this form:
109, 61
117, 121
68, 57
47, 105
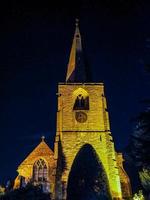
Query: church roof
41, 150
76, 70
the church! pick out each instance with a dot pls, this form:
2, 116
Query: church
84, 157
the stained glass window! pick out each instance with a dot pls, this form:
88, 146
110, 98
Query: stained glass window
40, 171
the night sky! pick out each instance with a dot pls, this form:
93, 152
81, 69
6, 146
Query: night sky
35, 42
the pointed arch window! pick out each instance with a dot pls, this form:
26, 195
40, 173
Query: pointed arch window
81, 103
40, 171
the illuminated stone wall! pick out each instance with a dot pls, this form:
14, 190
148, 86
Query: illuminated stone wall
72, 135
124, 179
95, 131
26, 167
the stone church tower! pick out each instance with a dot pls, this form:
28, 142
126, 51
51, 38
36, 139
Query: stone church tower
84, 155
83, 123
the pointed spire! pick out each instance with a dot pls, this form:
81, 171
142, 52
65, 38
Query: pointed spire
76, 67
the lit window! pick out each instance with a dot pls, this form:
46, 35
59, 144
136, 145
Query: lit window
40, 171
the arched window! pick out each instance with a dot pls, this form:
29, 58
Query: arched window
40, 171
81, 99
81, 103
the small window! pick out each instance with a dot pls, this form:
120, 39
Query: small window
81, 103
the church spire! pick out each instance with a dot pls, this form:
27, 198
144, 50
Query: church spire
76, 67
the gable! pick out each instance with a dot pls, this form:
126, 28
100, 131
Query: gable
41, 151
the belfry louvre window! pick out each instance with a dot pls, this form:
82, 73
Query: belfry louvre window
40, 171
81, 103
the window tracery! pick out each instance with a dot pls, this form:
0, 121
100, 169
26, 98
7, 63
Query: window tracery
40, 171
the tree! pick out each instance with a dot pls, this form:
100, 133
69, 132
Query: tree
138, 196
140, 148
29, 192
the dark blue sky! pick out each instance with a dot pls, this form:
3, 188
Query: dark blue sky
34, 46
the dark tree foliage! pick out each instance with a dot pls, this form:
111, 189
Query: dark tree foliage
141, 141
87, 179
30, 192
140, 148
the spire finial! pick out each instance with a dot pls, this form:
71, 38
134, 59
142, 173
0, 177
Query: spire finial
43, 138
77, 22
